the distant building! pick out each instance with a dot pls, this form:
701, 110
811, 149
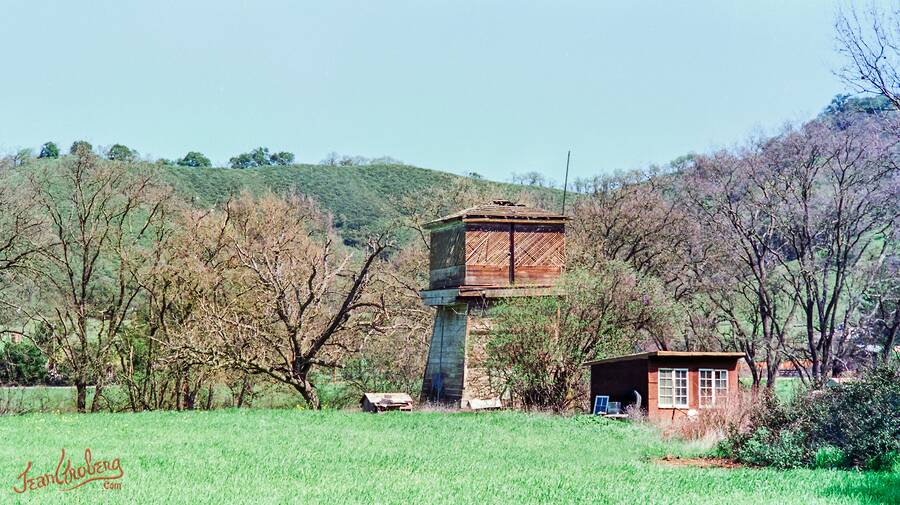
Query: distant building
668, 384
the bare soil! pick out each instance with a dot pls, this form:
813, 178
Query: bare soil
670, 460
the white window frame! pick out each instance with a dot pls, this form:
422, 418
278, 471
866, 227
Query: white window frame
714, 372
671, 400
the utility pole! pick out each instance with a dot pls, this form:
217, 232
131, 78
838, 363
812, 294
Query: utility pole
566, 183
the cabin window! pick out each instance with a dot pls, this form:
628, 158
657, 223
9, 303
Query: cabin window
673, 387
713, 387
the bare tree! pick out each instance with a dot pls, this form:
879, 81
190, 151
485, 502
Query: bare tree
19, 224
97, 215
392, 353
732, 198
881, 308
285, 303
155, 373
537, 346
836, 200
870, 42
637, 218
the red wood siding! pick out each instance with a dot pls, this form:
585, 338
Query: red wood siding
487, 254
693, 365
539, 252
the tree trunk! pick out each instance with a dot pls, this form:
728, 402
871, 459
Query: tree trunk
245, 385
892, 333
95, 403
189, 395
308, 392
755, 376
209, 397
772, 366
80, 396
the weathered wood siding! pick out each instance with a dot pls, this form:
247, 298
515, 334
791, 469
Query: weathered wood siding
445, 368
447, 257
487, 254
539, 253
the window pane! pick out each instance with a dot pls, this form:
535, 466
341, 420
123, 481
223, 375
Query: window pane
681, 388
721, 385
706, 388
665, 387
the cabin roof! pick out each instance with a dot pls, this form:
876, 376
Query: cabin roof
664, 354
501, 211
388, 398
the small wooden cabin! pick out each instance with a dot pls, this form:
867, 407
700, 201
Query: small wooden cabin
478, 256
671, 384
383, 402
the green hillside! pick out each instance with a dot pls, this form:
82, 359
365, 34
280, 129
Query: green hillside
359, 197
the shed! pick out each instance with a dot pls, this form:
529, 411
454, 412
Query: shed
669, 384
383, 402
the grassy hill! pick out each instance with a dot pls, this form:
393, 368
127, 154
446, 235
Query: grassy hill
360, 198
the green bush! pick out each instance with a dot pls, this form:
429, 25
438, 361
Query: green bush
855, 424
830, 456
22, 364
763, 447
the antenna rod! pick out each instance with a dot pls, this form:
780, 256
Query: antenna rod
566, 183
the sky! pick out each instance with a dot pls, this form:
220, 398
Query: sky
491, 87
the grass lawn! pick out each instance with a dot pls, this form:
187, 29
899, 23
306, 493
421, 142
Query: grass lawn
264, 456
785, 387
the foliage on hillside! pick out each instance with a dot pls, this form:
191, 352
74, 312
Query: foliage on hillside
362, 199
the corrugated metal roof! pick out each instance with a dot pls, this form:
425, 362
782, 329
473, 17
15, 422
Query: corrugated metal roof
501, 209
664, 354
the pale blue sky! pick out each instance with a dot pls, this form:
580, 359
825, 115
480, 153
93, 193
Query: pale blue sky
492, 87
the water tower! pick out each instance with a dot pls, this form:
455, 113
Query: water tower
479, 256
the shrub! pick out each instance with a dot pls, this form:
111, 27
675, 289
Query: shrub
22, 363
782, 449
856, 424
830, 456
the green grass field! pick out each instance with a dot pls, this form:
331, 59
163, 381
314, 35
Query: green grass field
292, 456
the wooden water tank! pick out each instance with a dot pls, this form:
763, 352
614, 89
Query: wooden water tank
479, 256
497, 245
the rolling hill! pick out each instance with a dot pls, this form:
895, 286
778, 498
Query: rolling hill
360, 197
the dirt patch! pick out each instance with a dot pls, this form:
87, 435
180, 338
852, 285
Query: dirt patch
698, 462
